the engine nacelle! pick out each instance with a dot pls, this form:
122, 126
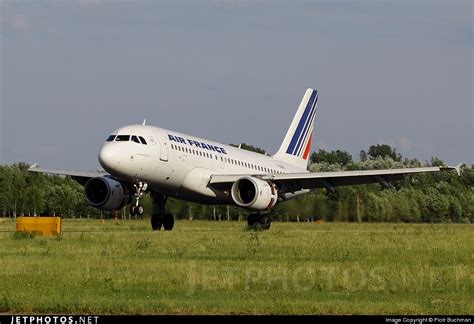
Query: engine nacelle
253, 193
106, 193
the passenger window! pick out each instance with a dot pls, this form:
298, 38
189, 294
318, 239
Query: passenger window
110, 138
135, 139
142, 139
122, 138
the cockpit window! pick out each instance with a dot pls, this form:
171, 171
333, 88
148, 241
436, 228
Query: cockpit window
122, 138
126, 138
143, 140
135, 139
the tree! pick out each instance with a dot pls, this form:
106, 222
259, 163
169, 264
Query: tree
363, 156
383, 150
332, 157
435, 161
34, 200
6, 192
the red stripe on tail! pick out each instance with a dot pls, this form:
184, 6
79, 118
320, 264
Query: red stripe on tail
306, 151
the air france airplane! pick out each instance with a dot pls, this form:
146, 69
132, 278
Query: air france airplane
171, 164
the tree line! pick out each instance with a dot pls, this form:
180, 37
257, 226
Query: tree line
430, 197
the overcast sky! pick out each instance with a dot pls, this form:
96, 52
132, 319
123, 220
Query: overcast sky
395, 72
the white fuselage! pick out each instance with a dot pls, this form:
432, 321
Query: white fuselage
180, 165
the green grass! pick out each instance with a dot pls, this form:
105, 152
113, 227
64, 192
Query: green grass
206, 267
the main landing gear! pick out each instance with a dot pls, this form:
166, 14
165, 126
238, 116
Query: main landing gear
256, 220
137, 209
159, 217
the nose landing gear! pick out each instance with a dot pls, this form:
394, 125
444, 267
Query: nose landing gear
137, 209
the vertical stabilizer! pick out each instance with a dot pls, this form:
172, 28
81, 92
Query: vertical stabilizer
297, 143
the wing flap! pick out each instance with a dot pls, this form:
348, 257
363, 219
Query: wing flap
313, 180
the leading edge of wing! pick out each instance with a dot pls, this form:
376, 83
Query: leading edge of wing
78, 174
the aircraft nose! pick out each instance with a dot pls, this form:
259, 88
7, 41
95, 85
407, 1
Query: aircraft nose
107, 156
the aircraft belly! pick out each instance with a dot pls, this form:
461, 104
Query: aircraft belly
195, 187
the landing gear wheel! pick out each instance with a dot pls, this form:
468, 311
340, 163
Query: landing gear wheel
156, 222
256, 221
159, 217
132, 210
168, 222
139, 209
252, 219
265, 221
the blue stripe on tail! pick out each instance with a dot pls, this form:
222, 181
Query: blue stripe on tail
306, 129
301, 124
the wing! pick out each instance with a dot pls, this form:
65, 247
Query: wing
293, 182
80, 176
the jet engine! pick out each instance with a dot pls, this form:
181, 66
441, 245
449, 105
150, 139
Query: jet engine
254, 194
106, 193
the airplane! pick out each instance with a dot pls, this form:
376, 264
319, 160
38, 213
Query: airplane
137, 158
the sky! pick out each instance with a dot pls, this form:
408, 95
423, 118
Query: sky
394, 72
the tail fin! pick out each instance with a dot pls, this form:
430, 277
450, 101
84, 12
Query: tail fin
297, 143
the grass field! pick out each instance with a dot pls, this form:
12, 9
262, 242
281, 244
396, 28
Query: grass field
221, 268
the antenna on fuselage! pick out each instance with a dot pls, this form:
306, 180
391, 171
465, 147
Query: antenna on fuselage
144, 122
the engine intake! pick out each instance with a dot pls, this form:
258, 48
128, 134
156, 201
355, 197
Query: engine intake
106, 193
253, 193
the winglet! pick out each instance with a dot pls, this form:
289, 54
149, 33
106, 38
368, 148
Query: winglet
34, 166
457, 168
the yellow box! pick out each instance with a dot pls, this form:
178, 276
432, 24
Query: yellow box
46, 226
